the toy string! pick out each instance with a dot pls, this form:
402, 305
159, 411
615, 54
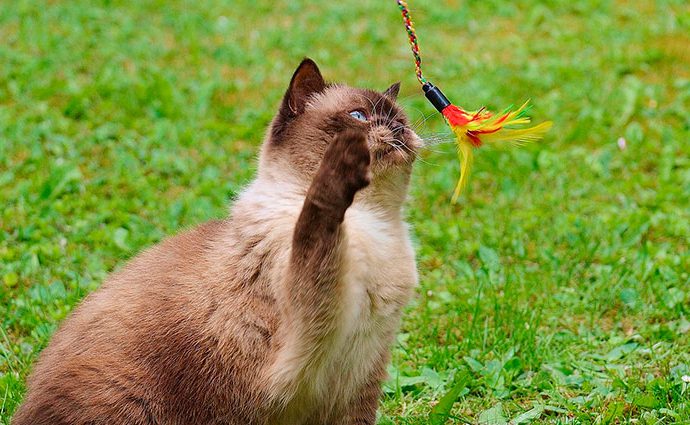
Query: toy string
414, 44
432, 93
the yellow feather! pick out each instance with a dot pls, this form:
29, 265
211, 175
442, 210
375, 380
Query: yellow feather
466, 156
518, 136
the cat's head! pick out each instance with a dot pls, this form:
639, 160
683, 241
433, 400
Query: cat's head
313, 112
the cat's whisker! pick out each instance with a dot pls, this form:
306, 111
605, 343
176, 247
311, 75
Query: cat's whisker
381, 100
401, 145
417, 125
390, 111
425, 149
438, 140
398, 127
373, 105
423, 118
398, 149
398, 146
409, 96
428, 147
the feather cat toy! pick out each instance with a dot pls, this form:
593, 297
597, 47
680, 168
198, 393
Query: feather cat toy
472, 128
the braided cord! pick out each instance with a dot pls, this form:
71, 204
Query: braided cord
413, 40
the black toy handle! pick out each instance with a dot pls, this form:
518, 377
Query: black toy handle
435, 96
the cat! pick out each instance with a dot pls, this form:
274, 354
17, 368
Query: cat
283, 313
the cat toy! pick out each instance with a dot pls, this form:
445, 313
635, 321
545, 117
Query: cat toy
472, 128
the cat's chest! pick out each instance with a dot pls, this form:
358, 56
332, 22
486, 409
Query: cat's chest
378, 270
378, 276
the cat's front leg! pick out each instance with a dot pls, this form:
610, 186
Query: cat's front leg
311, 297
362, 407
316, 245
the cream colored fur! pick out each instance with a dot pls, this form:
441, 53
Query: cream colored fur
378, 273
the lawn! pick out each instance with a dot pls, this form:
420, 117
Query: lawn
555, 291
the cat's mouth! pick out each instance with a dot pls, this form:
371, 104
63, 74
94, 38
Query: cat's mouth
392, 152
383, 151
387, 149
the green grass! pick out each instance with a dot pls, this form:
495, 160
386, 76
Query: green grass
556, 291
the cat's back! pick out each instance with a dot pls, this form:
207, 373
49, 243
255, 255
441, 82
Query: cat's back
140, 347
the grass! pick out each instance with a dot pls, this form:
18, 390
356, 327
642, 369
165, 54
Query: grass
556, 291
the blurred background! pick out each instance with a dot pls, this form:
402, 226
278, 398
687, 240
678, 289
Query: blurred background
555, 291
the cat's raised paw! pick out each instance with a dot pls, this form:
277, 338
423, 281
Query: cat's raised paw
349, 157
344, 170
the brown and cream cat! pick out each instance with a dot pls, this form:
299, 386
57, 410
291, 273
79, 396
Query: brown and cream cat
281, 314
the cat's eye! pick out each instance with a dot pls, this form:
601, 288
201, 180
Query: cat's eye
358, 115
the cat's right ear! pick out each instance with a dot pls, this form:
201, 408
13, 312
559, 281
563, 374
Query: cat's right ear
306, 81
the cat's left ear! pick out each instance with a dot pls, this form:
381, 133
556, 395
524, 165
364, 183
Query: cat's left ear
392, 91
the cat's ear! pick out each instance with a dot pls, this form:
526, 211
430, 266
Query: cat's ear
306, 81
392, 91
